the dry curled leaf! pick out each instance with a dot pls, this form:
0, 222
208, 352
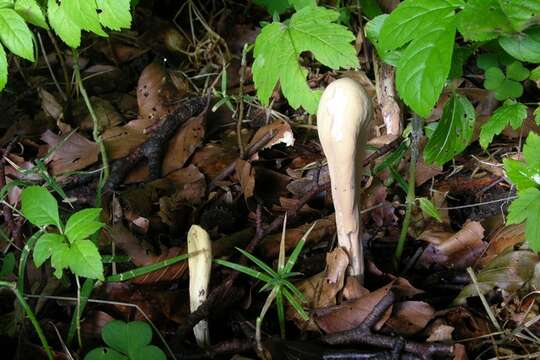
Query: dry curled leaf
70, 152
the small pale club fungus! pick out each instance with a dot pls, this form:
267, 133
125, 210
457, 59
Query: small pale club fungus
343, 120
200, 265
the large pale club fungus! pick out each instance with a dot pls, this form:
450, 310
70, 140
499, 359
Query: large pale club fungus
200, 265
343, 121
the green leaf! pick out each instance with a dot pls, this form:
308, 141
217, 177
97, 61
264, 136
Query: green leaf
258, 262
105, 353
3, 68
508, 89
82, 224
460, 56
40, 207
84, 13
487, 61
244, 269
429, 209
297, 249
494, 77
516, 71
148, 352
524, 46
527, 208
62, 24
15, 34
521, 13
412, 18
424, 67
537, 115
482, 20
373, 31
126, 337
60, 259
300, 4
453, 133
535, 74
85, 260
273, 6
8, 265
526, 174
278, 48
31, 12
45, 246
115, 14
6, 4
513, 114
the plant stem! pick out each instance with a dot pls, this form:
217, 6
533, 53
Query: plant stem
416, 134
31, 316
95, 133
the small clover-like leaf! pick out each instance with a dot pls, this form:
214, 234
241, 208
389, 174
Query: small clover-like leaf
148, 352
125, 337
516, 71
105, 353
83, 224
513, 113
493, 78
39, 206
509, 89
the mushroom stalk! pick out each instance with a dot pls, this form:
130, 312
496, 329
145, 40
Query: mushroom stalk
343, 121
200, 265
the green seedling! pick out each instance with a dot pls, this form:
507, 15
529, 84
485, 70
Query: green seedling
277, 282
69, 246
507, 85
126, 341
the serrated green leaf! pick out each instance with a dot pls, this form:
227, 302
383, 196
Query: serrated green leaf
424, 67
531, 153
482, 20
507, 114
114, 14
494, 77
521, 174
45, 246
3, 68
82, 224
509, 89
105, 353
412, 18
516, 71
527, 208
62, 24
15, 34
521, 13
85, 260
60, 258
31, 12
84, 13
524, 46
429, 209
272, 6
278, 48
39, 206
453, 133
126, 337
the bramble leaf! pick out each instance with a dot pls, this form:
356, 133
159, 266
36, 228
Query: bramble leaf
115, 14
82, 224
62, 24
526, 174
454, 131
45, 246
85, 260
509, 113
424, 67
482, 20
413, 18
40, 207
15, 34
524, 46
278, 48
527, 208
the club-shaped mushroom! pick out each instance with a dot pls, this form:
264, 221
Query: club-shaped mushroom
343, 121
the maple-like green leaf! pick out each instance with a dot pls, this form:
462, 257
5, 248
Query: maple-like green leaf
524, 46
85, 260
15, 34
413, 18
45, 246
424, 67
62, 24
526, 174
454, 131
521, 13
483, 20
510, 113
114, 14
278, 48
527, 208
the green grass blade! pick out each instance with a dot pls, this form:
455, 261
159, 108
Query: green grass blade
296, 292
143, 270
281, 312
259, 263
29, 246
281, 258
297, 250
295, 304
244, 269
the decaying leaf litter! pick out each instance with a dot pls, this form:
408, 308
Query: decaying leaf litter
190, 144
